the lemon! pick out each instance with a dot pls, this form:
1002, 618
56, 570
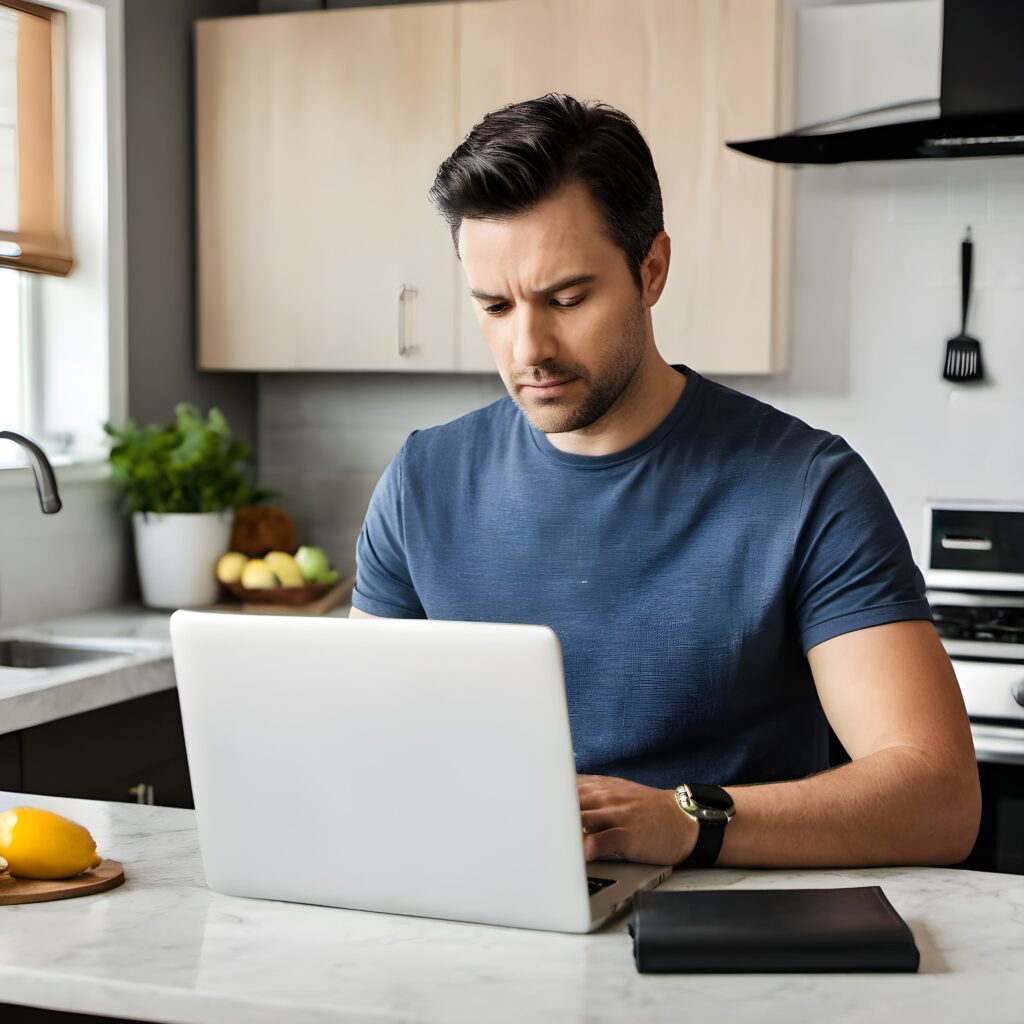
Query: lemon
257, 575
230, 566
40, 844
285, 568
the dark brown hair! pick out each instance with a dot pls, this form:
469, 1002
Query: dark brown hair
525, 152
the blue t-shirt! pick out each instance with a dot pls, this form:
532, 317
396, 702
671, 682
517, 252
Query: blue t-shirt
686, 576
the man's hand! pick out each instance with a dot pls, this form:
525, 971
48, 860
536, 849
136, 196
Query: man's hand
625, 820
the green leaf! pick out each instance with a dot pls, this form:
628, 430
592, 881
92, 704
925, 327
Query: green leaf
187, 466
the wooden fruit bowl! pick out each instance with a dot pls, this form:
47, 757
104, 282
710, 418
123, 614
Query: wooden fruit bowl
281, 595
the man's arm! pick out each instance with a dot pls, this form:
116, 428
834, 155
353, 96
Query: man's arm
910, 794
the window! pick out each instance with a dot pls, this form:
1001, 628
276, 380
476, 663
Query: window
62, 334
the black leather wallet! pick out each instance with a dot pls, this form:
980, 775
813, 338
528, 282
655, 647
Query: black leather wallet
769, 930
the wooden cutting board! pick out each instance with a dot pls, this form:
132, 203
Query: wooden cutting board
108, 875
338, 594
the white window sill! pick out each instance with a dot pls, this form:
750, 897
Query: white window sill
68, 470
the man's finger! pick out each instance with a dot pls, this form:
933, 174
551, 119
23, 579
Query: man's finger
594, 796
607, 845
598, 820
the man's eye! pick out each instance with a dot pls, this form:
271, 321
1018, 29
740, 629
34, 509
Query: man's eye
501, 307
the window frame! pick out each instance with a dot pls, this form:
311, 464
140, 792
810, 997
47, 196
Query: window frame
91, 24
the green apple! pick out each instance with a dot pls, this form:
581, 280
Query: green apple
313, 564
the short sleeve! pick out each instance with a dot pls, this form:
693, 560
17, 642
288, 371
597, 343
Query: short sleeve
852, 564
383, 583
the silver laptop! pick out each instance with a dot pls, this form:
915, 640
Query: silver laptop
409, 767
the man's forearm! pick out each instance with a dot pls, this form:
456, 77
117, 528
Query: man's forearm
890, 807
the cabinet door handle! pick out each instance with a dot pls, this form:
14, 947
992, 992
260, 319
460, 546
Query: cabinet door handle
404, 348
143, 793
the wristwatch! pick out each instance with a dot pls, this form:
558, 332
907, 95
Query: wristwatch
712, 808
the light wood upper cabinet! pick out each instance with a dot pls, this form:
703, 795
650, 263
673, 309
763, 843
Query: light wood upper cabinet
318, 135
691, 74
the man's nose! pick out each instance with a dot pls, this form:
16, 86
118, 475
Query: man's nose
533, 340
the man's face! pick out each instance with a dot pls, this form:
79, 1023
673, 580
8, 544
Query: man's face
558, 309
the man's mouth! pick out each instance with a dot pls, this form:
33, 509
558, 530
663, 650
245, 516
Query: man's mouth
545, 384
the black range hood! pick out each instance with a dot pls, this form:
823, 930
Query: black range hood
980, 111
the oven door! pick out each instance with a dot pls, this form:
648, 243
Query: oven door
993, 692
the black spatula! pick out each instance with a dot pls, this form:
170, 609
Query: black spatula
963, 353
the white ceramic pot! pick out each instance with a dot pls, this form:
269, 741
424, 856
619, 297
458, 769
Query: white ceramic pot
177, 555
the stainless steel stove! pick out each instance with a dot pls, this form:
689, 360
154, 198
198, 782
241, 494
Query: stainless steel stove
975, 579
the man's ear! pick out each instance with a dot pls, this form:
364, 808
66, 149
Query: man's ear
654, 269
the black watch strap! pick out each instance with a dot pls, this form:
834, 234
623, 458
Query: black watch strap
712, 807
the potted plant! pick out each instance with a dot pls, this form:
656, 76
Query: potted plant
180, 485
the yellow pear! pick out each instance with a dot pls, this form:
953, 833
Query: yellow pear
257, 575
285, 568
230, 566
40, 844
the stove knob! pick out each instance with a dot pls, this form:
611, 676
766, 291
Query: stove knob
1018, 692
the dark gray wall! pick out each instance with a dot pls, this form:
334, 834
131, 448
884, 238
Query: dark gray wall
161, 219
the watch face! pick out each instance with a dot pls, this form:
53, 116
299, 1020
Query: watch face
711, 797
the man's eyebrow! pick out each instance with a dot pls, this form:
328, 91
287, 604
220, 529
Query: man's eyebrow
569, 282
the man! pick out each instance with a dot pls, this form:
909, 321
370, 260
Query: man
725, 580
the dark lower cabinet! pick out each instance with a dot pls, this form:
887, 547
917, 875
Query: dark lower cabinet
1000, 843
132, 752
10, 761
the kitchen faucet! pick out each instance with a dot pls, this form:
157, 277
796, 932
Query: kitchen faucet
46, 482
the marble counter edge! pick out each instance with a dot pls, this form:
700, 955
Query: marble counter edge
55, 699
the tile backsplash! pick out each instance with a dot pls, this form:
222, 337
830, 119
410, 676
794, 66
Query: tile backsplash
54, 565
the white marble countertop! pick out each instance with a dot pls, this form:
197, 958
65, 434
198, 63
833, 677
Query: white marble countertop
164, 948
32, 696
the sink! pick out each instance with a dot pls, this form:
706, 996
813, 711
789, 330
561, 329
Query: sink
41, 654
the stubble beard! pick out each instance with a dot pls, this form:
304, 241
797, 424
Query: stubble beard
599, 396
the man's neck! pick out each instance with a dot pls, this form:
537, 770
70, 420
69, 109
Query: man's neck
650, 397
